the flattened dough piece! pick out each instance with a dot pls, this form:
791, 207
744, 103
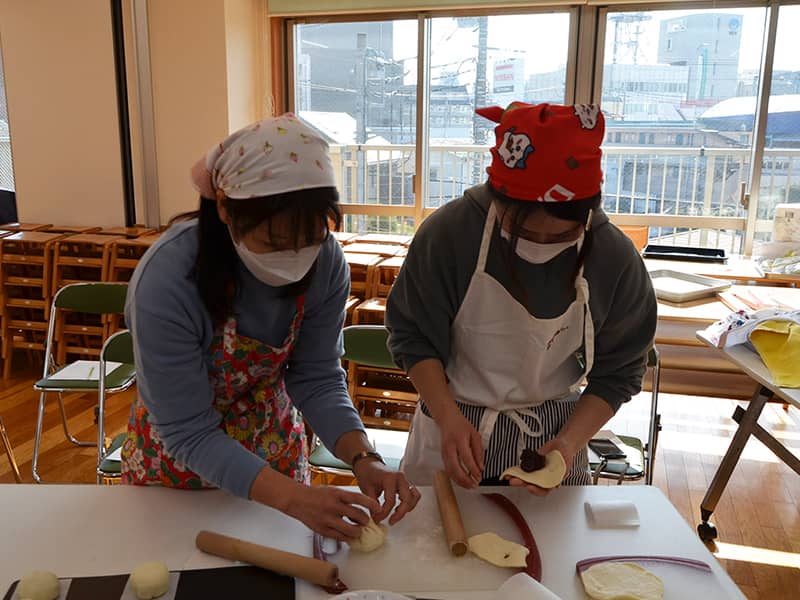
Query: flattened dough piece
150, 580
621, 581
372, 538
550, 476
498, 551
39, 585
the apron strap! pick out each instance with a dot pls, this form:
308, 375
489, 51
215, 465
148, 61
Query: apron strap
489, 420
486, 240
582, 295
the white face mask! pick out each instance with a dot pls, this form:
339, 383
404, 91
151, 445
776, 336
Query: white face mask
278, 268
538, 254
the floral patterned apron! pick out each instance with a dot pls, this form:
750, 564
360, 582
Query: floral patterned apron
247, 377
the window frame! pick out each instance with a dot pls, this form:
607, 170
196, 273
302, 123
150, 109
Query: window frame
418, 211
586, 56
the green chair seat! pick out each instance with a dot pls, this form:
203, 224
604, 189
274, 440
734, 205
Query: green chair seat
323, 458
109, 466
616, 468
120, 377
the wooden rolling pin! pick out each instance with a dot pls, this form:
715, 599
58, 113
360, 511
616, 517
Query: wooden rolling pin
451, 516
286, 563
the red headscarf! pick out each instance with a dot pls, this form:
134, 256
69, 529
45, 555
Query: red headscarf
546, 152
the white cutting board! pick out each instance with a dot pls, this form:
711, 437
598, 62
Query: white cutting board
416, 558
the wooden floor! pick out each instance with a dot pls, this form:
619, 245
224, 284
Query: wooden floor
758, 517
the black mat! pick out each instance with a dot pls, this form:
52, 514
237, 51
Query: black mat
202, 584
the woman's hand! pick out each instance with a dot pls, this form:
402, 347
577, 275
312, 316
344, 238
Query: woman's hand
375, 478
567, 451
324, 509
462, 449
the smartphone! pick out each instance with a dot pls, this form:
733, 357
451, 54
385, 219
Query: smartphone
606, 448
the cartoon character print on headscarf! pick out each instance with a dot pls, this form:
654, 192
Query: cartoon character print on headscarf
587, 113
516, 147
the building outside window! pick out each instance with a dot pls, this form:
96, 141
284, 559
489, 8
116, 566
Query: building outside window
679, 89
6, 165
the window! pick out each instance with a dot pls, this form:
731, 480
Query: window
678, 87
780, 171
696, 59
357, 83
6, 165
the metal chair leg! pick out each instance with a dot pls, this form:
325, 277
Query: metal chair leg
69, 436
9, 452
38, 438
655, 422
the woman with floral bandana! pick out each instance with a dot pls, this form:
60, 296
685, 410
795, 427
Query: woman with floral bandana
236, 314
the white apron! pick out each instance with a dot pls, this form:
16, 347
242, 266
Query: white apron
513, 364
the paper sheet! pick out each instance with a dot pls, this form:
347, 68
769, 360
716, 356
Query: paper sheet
84, 370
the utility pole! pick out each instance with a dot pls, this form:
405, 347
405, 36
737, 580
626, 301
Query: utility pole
359, 186
478, 128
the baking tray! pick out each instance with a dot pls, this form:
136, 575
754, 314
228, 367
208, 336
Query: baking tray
200, 584
717, 255
678, 287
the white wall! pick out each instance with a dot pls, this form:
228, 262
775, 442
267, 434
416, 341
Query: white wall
207, 73
190, 95
60, 87
209, 77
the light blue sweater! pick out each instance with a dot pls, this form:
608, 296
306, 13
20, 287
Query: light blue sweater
172, 332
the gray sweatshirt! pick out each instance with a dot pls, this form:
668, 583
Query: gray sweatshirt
172, 332
442, 258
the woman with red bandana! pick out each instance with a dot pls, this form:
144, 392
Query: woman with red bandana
236, 314
522, 315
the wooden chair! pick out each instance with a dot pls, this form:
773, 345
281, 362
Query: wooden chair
370, 312
129, 232
9, 452
82, 258
69, 229
383, 276
384, 238
349, 309
344, 237
382, 393
24, 226
126, 254
26, 263
125, 257
361, 266
383, 250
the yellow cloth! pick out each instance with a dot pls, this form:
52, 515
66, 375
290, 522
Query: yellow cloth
778, 343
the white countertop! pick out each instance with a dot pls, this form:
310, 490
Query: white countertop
85, 530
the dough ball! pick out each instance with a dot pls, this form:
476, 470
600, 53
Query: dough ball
550, 476
372, 538
150, 580
498, 551
39, 585
621, 581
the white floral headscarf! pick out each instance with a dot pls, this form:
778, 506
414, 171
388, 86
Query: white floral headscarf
273, 156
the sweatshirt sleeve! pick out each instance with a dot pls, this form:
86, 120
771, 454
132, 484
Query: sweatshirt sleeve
429, 289
172, 378
624, 337
315, 378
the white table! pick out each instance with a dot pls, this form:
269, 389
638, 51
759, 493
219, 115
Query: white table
750, 362
94, 530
